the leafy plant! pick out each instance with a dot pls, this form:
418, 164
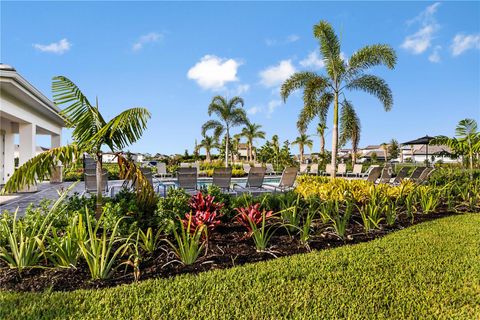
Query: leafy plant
260, 234
99, 252
428, 199
188, 242
290, 212
204, 211
251, 215
64, 250
341, 220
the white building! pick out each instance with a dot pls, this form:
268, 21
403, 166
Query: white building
24, 113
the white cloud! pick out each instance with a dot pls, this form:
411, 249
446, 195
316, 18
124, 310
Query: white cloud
289, 39
146, 38
272, 105
59, 47
254, 110
275, 75
435, 55
313, 60
212, 72
462, 43
421, 40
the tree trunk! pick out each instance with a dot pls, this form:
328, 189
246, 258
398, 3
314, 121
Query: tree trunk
301, 153
250, 155
208, 159
227, 142
354, 156
322, 143
335, 136
99, 172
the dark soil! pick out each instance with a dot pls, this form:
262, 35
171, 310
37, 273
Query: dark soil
227, 247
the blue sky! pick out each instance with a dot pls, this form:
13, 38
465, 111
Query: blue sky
172, 58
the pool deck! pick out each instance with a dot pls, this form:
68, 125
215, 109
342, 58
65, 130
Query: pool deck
46, 190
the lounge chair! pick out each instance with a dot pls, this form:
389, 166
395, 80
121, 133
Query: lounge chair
254, 184
162, 170
425, 175
257, 165
185, 165
313, 169
303, 168
328, 169
417, 172
357, 170
287, 180
222, 178
246, 168
342, 169
187, 179
386, 175
374, 174
90, 179
402, 174
270, 169
367, 172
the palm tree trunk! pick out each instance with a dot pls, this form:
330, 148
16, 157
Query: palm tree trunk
227, 142
322, 143
99, 172
208, 159
301, 153
250, 155
335, 136
354, 156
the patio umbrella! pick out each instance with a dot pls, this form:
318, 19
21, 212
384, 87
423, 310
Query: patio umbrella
421, 141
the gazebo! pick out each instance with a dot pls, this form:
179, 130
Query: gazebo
421, 141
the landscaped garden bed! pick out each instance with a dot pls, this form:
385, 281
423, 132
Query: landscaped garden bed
65, 247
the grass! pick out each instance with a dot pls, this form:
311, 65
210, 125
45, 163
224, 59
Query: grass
431, 270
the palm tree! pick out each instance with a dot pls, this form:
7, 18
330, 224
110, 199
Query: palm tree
384, 147
231, 114
341, 76
321, 127
467, 141
394, 149
350, 128
208, 143
252, 131
303, 141
90, 133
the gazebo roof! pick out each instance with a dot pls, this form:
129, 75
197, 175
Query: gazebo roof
422, 140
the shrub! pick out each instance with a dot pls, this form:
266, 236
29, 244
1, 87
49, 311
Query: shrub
251, 215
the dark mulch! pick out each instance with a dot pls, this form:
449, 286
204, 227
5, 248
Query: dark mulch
227, 247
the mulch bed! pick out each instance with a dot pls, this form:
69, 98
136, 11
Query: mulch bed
227, 247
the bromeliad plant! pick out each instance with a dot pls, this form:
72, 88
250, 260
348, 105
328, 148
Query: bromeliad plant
189, 244
204, 211
251, 215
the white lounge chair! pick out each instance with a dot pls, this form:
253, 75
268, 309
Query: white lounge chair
313, 169
342, 169
303, 168
357, 170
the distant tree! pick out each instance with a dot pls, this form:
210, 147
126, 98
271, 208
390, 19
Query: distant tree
394, 149
208, 143
320, 91
384, 147
231, 114
303, 141
321, 127
252, 131
374, 157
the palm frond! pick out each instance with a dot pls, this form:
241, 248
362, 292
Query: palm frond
330, 49
128, 170
372, 55
40, 167
317, 108
213, 125
79, 114
123, 130
297, 81
375, 86
349, 125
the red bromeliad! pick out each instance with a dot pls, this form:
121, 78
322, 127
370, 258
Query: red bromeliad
251, 214
204, 212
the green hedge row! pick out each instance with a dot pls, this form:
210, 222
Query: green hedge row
428, 271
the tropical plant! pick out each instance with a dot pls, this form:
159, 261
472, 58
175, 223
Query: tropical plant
99, 251
148, 241
394, 149
350, 128
188, 242
466, 142
90, 132
252, 131
261, 235
204, 212
303, 141
63, 250
428, 199
251, 215
321, 127
231, 114
208, 143
342, 75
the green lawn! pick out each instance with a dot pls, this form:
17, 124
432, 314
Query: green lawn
431, 270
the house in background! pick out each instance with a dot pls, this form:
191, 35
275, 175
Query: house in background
418, 154
24, 113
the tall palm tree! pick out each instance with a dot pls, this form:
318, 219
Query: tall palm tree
466, 142
303, 141
350, 128
341, 76
384, 147
90, 133
208, 143
321, 127
231, 114
252, 131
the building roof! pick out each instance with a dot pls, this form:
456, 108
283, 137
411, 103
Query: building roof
12, 82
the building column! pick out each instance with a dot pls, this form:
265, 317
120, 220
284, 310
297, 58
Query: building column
27, 146
57, 172
9, 148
